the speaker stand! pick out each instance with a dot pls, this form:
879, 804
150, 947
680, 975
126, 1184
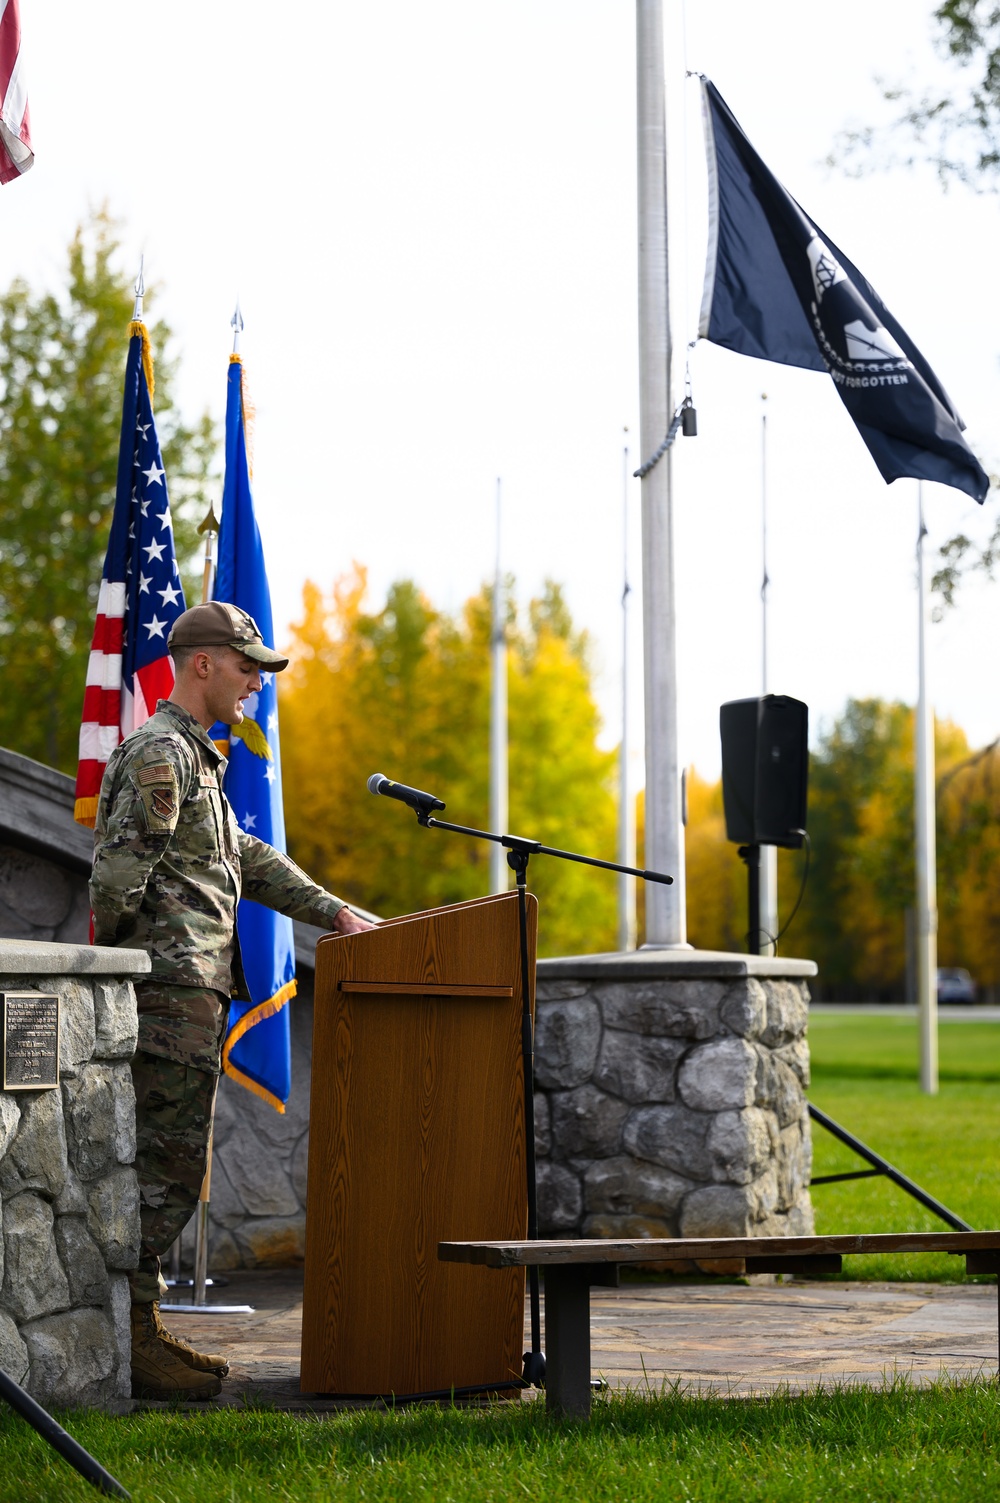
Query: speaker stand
750, 855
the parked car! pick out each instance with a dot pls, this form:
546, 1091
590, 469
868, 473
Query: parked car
955, 985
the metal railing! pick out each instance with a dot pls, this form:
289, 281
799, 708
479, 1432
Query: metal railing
881, 1167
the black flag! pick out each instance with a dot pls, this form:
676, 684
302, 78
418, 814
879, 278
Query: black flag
778, 288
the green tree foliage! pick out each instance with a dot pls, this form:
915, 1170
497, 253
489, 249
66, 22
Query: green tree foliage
62, 360
956, 131
959, 131
853, 919
405, 690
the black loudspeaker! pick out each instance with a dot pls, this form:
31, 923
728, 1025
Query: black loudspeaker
765, 762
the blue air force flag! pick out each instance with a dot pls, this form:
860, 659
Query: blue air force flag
257, 1050
778, 288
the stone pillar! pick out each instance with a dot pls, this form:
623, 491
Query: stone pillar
69, 1203
670, 1095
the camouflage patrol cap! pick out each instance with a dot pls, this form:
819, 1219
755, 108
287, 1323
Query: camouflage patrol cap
218, 624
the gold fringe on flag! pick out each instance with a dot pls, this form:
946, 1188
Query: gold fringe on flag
249, 412
136, 327
257, 1015
85, 811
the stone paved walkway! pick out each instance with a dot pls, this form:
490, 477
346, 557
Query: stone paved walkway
727, 1337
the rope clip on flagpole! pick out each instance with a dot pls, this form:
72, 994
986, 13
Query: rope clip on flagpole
685, 420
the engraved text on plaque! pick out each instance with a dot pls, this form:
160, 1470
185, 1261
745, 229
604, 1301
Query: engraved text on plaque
30, 1040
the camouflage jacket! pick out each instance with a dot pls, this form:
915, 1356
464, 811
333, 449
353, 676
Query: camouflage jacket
171, 862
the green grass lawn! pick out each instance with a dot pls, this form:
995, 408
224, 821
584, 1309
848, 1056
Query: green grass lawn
850, 1444
902, 1445
864, 1071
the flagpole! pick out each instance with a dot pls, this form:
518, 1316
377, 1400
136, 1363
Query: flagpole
665, 910
201, 1281
626, 812
926, 851
767, 918
499, 870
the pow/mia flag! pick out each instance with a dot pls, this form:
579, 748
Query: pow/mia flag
778, 288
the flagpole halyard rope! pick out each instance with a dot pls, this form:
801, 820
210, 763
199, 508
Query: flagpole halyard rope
672, 432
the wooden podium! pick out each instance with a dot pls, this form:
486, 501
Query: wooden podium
416, 1137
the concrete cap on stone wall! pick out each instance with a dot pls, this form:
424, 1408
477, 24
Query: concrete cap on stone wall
38, 957
672, 965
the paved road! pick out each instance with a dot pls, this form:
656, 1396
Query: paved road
947, 1012
731, 1338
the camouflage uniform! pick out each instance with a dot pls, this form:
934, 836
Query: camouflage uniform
170, 865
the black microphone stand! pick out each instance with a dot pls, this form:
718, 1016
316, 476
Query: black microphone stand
518, 853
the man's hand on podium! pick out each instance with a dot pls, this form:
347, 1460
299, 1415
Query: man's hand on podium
347, 922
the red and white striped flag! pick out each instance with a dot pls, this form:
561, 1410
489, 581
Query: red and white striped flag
16, 155
141, 595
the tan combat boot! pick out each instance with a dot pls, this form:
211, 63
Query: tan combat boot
157, 1371
200, 1362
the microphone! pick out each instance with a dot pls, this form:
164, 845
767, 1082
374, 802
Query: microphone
423, 804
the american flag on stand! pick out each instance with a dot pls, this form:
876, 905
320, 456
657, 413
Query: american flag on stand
16, 155
141, 595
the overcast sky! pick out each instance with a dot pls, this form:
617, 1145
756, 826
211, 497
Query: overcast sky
429, 215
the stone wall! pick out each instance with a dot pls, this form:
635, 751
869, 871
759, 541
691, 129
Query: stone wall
68, 1197
44, 855
671, 1107
40, 899
670, 1100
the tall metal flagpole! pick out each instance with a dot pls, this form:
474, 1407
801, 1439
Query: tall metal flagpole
626, 809
499, 870
665, 908
201, 1281
768, 916
926, 925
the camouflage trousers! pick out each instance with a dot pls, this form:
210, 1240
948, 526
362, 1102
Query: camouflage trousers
173, 1112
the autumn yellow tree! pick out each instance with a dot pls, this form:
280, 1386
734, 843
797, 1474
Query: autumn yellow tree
969, 864
405, 690
716, 877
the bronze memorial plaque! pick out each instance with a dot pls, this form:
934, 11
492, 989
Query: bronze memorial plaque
30, 1040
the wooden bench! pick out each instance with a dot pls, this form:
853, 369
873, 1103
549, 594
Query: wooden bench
571, 1267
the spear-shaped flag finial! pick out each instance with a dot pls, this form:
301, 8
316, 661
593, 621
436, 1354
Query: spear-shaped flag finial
236, 324
139, 289
209, 527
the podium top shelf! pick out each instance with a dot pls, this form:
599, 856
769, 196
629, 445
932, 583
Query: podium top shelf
425, 988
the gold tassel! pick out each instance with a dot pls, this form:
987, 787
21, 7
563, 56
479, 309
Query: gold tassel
85, 811
136, 327
249, 419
